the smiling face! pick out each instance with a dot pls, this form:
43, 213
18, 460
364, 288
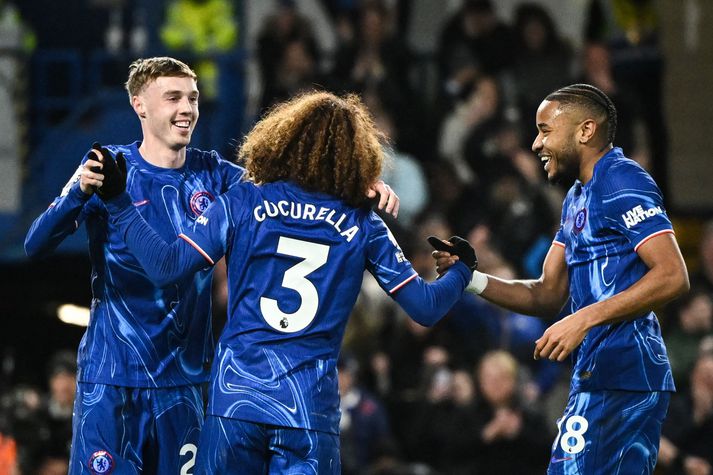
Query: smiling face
168, 108
556, 142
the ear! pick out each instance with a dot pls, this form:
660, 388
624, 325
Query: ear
138, 106
587, 131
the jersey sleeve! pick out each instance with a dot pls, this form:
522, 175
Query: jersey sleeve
559, 239
211, 233
385, 259
634, 205
164, 263
60, 219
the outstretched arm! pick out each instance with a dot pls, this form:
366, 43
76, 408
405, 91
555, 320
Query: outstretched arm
426, 302
63, 216
543, 297
164, 263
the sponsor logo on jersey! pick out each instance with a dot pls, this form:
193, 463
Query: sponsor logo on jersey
637, 214
200, 202
101, 462
580, 220
76, 176
202, 220
400, 256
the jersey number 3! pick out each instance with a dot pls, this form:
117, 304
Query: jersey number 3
295, 278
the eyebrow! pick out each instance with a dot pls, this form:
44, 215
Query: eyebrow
176, 91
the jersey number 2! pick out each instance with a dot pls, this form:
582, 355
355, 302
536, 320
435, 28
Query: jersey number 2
295, 278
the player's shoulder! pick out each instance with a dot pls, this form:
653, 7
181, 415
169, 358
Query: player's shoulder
618, 172
207, 159
203, 158
243, 191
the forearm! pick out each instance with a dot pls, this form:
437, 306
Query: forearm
56, 223
528, 297
164, 263
427, 303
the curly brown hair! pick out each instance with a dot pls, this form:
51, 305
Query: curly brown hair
320, 141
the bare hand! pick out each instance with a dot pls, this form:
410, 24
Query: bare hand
444, 261
89, 180
388, 200
561, 338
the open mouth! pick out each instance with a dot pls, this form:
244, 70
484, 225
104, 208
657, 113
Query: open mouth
545, 159
182, 124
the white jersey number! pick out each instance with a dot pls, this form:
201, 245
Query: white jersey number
315, 256
572, 441
188, 449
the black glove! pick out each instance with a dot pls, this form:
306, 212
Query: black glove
114, 171
458, 247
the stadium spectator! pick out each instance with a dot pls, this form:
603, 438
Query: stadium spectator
692, 321
631, 30
504, 425
364, 425
201, 29
473, 42
688, 431
543, 61
285, 39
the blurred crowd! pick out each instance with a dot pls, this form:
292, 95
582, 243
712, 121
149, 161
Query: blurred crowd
464, 397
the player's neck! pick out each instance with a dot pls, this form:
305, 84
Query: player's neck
590, 157
159, 155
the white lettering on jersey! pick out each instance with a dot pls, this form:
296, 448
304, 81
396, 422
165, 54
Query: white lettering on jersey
202, 220
637, 214
304, 211
74, 179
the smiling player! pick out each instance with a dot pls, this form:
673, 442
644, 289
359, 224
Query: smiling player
613, 260
145, 355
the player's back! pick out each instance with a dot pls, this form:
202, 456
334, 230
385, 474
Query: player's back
295, 266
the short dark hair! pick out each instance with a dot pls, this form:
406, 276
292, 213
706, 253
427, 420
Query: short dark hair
591, 98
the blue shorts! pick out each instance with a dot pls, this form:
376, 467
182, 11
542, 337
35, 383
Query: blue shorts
122, 430
609, 433
230, 446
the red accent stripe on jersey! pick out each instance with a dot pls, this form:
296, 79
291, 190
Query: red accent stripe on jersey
560, 244
141, 203
197, 248
657, 233
403, 283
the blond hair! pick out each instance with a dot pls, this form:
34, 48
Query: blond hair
143, 71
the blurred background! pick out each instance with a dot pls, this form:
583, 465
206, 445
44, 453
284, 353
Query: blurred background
455, 84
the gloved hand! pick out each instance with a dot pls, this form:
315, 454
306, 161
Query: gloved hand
457, 246
114, 171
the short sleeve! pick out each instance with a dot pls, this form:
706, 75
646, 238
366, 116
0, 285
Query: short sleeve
385, 259
634, 204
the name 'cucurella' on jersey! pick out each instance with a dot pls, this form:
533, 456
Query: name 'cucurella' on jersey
304, 211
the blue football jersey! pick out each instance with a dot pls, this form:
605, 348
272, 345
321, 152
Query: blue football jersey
603, 224
140, 335
295, 264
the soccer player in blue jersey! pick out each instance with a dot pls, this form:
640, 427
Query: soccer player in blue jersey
145, 356
613, 260
297, 236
